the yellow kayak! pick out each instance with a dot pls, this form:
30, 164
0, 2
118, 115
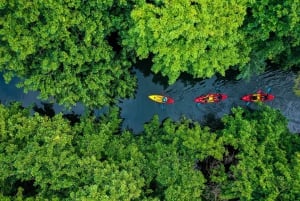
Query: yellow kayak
161, 99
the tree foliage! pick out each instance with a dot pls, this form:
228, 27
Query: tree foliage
272, 30
203, 38
267, 157
296, 87
198, 37
81, 51
66, 49
172, 150
47, 159
254, 157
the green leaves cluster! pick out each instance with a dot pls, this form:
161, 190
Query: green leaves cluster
60, 162
272, 31
267, 157
254, 157
81, 51
65, 50
198, 37
296, 87
172, 150
203, 38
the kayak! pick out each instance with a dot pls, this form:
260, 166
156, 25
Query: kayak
161, 99
259, 96
210, 98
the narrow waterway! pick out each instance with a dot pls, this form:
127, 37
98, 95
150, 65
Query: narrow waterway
139, 110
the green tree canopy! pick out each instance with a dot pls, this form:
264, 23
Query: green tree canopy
198, 37
172, 150
296, 87
252, 157
267, 155
272, 30
66, 49
47, 159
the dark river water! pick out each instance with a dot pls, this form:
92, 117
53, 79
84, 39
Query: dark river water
139, 110
135, 112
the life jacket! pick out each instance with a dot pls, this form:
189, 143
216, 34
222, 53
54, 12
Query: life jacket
164, 99
211, 99
258, 97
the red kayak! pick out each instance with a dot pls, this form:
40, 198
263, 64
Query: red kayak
210, 98
259, 96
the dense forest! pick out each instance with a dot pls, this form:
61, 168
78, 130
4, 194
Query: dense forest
83, 51
252, 156
77, 51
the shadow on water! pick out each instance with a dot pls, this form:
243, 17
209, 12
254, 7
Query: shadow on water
230, 76
45, 110
189, 80
144, 66
212, 122
72, 117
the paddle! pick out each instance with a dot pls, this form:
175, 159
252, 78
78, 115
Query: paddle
268, 90
198, 105
164, 101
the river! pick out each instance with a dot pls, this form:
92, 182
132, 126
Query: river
139, 110
135, 112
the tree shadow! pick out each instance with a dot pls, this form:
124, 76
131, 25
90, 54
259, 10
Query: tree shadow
73, 118
188, 80
212, 122
230, 76
144, 66
28, 188
46, 110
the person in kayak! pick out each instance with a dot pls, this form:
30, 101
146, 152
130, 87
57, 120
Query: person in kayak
212, 99
164, 99
255, 97
209, 99
259, 97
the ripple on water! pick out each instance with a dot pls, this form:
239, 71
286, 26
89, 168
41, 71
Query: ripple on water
140, 110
